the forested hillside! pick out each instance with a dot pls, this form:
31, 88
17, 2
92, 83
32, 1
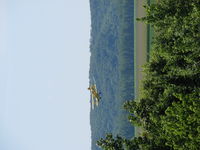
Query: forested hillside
111, 66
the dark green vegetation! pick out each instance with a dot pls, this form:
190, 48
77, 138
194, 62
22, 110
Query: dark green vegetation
169, 107
111, 64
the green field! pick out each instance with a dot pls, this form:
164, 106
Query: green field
142, 45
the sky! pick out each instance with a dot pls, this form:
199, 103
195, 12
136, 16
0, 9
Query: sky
44, 65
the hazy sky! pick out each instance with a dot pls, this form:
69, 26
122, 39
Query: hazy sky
44, 64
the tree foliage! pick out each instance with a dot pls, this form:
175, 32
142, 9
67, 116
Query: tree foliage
168, 108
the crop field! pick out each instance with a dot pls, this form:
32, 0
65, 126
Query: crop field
142, 45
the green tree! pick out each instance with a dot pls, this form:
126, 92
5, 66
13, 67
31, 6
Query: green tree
109, 143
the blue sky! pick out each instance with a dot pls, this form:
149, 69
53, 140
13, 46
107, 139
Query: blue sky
44, 65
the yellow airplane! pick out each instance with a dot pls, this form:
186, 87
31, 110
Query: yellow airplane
95, 95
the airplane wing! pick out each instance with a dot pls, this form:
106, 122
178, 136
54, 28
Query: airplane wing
95, 87
97, 102
95, 84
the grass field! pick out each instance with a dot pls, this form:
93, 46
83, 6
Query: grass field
140, 49
142, 44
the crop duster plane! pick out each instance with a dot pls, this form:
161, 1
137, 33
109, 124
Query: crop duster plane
95, 95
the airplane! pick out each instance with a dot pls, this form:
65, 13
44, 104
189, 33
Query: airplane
95, 95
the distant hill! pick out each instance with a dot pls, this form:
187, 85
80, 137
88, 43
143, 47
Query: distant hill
112, 66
